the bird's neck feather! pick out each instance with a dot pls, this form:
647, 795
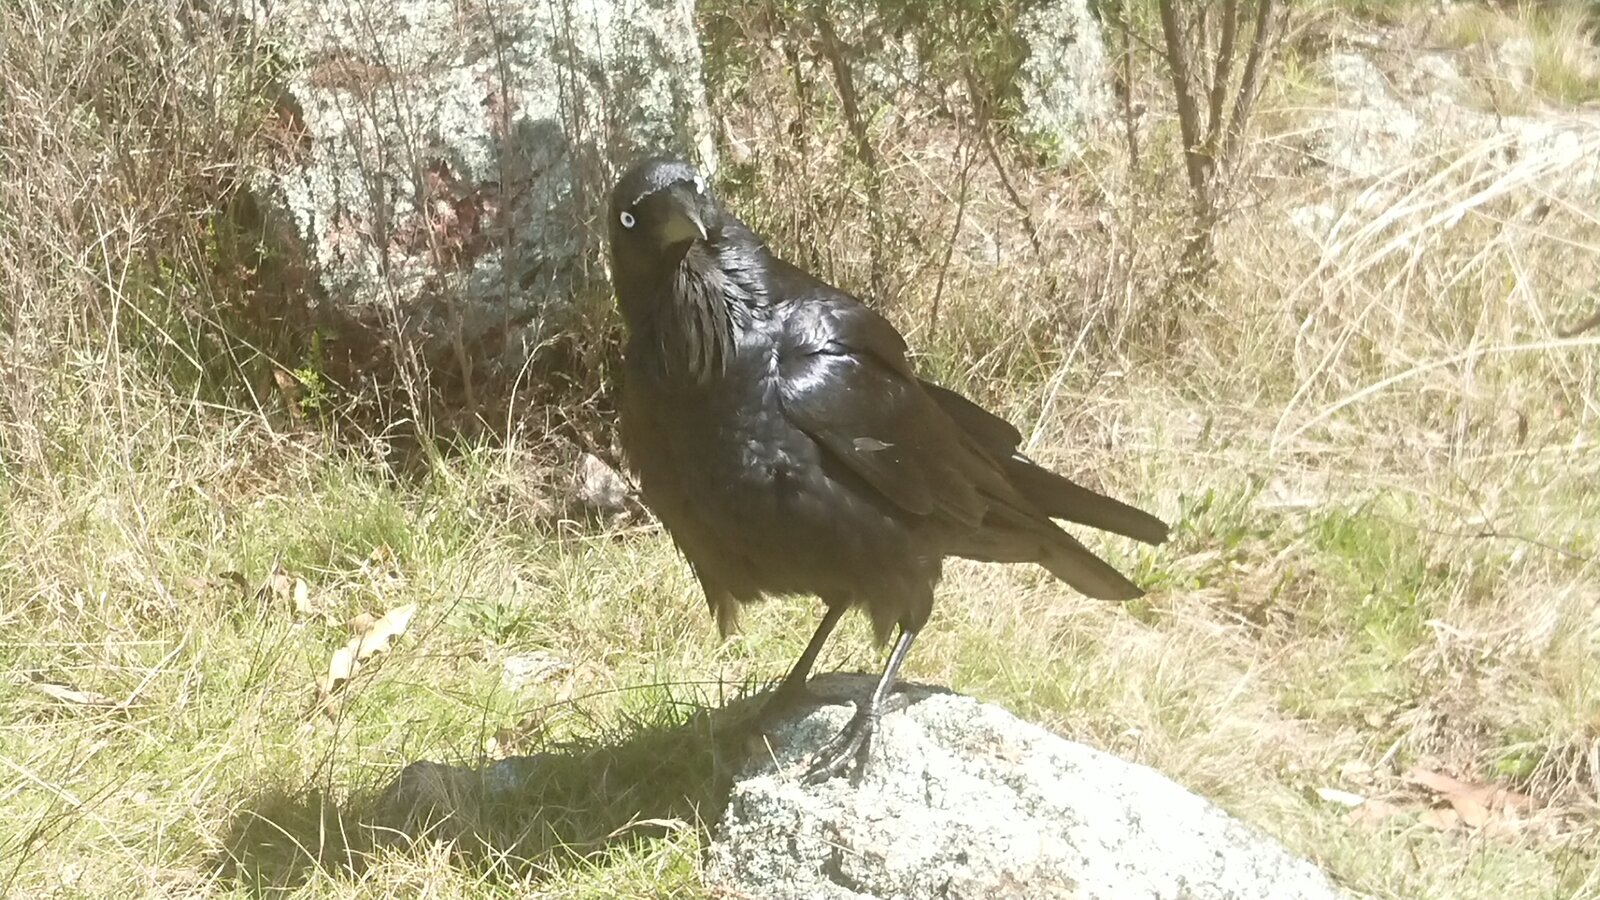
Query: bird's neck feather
714, 291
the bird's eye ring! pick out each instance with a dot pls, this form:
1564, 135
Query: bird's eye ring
628, 220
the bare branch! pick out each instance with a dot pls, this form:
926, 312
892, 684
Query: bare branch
1222, 74
833, 49
1188, 113
1124, 80
1262, 46
986, 133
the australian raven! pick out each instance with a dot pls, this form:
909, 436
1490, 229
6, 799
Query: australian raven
782, 438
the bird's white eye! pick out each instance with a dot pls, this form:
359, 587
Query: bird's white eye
699, 185
627, 218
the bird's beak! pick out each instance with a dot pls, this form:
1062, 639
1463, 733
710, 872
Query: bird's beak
683, 223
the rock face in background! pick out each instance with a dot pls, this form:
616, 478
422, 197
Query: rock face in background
1063, 78
1395, 109
963, 800
444, 164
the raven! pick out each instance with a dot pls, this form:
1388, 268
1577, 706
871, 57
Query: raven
779, 433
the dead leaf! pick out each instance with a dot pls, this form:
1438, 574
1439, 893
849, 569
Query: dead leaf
291, 389
361, 623
368, 642
1473, 814
1438, 782
72, 696
1342, 798
1477, 805
1375, 812
302, 597
1439, 819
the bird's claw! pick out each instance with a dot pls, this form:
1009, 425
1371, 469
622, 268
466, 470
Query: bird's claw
853, 743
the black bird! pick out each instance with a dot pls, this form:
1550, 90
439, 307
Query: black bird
782, 438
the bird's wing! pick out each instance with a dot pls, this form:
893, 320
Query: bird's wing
845, 381
996, 435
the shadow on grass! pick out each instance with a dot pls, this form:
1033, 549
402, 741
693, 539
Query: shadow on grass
527, 816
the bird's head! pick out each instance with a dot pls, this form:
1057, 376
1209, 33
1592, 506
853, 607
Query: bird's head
659, 209
685, 270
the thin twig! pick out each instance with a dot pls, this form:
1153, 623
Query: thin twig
1588, 324
833, 49
980, 110
949, 248
1262, 46
1222, 74
1124, 84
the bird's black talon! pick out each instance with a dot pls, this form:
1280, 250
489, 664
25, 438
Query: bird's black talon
852, 744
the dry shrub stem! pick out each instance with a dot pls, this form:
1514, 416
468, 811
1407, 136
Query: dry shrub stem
1212, 134
844, 80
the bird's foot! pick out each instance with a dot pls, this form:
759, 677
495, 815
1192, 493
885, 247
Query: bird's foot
854, 743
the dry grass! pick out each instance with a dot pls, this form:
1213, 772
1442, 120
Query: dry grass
1376, 442
1553, 41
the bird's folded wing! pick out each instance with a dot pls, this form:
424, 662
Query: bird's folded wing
844, 380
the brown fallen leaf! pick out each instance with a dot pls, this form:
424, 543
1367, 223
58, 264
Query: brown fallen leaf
291, 389
368, 642
1375, 812
1439, 819
1481, 807
1476, 805
1472, 813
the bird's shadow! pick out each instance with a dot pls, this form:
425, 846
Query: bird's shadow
530, 816
521, 817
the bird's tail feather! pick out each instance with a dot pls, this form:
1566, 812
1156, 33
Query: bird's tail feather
1072, 562
1061, 498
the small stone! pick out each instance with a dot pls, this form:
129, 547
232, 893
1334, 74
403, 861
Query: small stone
601, 488
522, 671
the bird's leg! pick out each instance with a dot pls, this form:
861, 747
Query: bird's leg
793, 689
855, 741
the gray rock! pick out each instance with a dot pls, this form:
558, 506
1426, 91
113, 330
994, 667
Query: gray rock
1381, 127
1372, 131
1516, 58
601, 490
963, 800
445, 163
1063, 79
